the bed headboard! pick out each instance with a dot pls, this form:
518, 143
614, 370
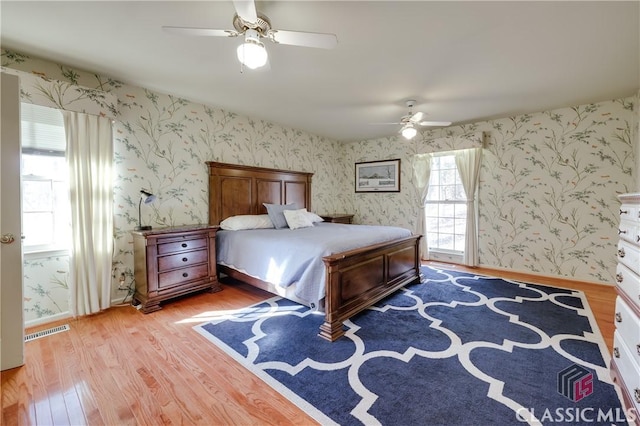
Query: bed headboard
235, 189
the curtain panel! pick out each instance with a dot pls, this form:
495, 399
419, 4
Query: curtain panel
89, 157
421, 175
468, 164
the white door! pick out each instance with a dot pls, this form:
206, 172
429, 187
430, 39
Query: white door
11, 310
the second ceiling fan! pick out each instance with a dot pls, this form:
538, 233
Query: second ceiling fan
254, 27
410, 121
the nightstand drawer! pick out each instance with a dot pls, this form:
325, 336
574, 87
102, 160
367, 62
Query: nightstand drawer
181, 260
172, 247
180, 276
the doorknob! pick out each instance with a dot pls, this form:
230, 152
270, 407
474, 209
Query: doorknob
7, 239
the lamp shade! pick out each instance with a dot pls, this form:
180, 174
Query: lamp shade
147, 197
252, 52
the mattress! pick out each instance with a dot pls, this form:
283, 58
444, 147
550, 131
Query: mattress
286, 257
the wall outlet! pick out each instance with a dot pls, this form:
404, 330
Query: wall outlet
121, 285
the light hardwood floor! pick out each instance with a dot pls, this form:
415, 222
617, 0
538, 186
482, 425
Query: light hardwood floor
122, 367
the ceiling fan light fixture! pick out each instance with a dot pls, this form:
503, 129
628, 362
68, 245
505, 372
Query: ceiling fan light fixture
408, 131
252, 52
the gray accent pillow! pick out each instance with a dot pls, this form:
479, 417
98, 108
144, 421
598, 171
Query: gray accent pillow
275, 213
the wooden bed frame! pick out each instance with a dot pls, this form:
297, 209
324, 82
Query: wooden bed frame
355, 279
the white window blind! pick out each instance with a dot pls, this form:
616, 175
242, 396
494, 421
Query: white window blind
42, 129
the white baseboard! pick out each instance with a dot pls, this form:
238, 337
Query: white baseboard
66, 315
47, 319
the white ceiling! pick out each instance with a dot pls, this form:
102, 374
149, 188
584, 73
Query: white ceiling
461, 61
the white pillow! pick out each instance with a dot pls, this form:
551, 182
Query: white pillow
246, 221
297, 218
314, 217
275, 213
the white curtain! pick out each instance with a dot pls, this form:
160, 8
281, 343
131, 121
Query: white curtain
468, 163
421, 174
90, 157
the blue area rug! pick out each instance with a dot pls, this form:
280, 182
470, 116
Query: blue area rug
456, 349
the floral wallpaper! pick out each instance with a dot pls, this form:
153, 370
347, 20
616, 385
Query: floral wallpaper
40, 90
547, 195
46, 293
548, 186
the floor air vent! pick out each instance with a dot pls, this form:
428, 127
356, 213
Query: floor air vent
47, 332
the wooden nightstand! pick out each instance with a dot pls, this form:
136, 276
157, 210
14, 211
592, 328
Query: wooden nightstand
170, 262
337, 218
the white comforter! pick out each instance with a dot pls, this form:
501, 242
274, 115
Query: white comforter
287, 256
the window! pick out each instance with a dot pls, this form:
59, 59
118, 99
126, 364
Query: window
46, 218
446, 209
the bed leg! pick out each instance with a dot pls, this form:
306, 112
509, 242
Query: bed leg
331, 331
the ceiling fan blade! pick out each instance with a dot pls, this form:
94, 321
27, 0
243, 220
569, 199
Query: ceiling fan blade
435, 123
417, 117
301, 38
384, 124
209, 32
246, 9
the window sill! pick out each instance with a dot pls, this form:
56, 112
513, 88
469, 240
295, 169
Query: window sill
446, 256
44, 253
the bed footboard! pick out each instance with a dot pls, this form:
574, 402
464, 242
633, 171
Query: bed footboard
359, 278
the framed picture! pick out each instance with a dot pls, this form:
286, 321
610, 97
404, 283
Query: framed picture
378, 176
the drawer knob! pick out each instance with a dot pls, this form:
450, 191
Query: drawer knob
636, 394
616, 352
184, 274
619, 278
638, 348
624, 211
621, 252
618, 317
638, 238
622, 231
184, 259
184, 245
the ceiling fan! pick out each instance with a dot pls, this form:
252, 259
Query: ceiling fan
254, 27
411, 120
